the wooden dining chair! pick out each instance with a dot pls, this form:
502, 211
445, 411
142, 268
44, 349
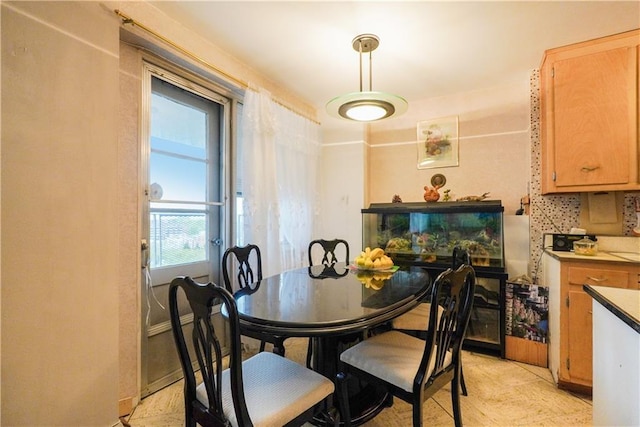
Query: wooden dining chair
336, 250
415, 321
408, 367
264, 390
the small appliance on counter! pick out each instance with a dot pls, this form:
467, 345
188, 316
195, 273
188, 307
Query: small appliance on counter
564, 242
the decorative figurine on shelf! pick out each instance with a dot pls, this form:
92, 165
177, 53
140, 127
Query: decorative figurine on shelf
473, 198
447, 196
396, 199
431, 194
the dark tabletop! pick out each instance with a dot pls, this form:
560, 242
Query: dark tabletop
314, 301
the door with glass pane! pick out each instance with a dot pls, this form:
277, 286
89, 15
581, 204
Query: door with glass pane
184, 215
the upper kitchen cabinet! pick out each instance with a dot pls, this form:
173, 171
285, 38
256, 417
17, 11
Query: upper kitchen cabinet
589, 115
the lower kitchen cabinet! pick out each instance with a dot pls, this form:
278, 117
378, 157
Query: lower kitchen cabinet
570, 318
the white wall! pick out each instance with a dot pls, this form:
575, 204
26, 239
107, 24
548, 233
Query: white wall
342, 172
59, 204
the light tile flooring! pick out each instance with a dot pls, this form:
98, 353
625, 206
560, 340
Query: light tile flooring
501, 393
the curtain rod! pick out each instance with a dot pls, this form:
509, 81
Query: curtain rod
128, 20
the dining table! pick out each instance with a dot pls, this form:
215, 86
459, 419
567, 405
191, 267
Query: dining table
335, 306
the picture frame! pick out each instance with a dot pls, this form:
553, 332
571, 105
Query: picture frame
438, 142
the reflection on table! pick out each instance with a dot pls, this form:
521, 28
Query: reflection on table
334, 307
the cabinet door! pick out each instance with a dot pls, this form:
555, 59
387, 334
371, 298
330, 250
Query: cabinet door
589, 116
592, 109
579, 363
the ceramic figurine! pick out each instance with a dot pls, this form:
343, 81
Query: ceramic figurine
431, 194
473, 198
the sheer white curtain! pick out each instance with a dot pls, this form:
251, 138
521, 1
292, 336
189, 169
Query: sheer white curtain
279, 170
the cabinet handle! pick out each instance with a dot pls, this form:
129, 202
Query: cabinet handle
595, 279
589, 168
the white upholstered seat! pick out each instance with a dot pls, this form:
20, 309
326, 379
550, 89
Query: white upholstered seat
393, 356
276, 390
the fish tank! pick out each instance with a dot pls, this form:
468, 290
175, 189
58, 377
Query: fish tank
424, 233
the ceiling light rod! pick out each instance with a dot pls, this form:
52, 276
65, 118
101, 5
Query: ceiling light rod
366, 106
366, 43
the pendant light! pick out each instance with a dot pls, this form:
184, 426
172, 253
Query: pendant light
366, 106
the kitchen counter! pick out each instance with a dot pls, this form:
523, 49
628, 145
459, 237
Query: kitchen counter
616, 355
622, 303
601, 256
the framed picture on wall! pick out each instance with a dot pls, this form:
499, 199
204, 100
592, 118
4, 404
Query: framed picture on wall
438, 143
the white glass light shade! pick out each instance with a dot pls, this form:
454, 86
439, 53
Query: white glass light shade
366, 106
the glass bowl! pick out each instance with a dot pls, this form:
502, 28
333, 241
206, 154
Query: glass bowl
585, 246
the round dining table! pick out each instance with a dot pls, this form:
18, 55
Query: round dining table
335, 306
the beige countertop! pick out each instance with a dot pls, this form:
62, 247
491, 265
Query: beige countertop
601, 256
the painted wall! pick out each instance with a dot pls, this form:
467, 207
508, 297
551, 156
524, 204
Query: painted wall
59, 214
129, 233
493, 148
70, 205
342, 190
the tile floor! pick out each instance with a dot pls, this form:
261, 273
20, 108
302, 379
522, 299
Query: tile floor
501, 393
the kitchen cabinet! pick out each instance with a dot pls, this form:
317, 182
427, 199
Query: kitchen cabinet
570, 317
589, 115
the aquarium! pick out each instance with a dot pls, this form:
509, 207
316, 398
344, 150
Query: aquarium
426, 233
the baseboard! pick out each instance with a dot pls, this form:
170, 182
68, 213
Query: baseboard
125, 406
576, 388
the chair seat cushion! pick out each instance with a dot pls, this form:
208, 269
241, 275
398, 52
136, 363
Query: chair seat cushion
276, 389
392, 356
417, 319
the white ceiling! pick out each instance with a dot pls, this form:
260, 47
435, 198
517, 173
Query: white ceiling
427, 48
